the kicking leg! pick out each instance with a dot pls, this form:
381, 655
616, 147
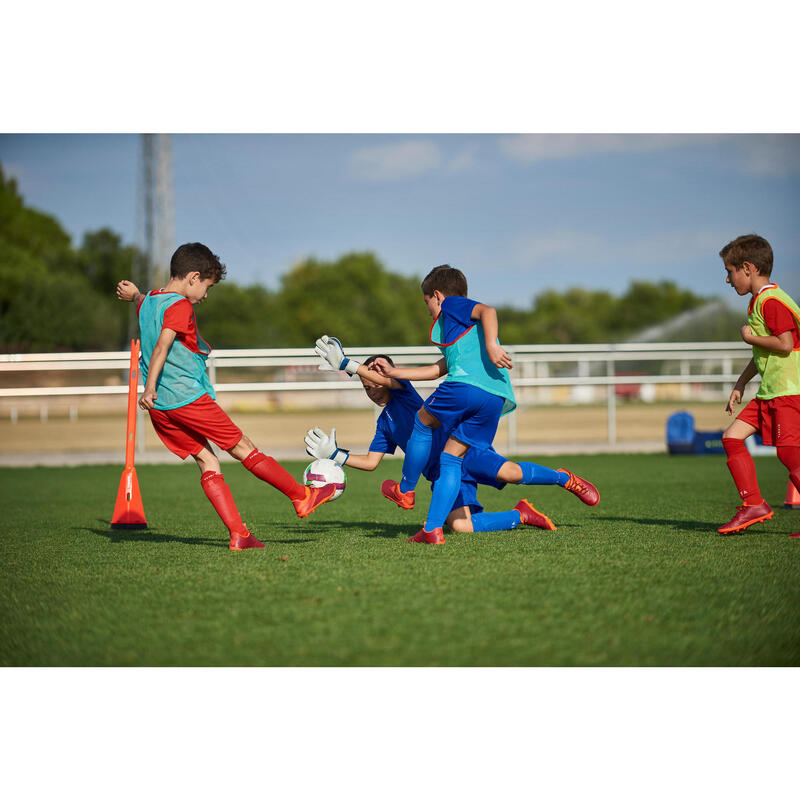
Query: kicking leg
306, 499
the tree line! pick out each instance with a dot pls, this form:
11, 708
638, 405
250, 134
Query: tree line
58, 297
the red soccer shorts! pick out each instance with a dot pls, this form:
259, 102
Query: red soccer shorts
777, 420
187, 429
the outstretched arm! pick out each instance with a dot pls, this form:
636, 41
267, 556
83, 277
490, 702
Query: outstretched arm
129, 291
149, 395
322, 445
429, 373
488, 319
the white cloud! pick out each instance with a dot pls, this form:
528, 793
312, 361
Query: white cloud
531, 148
396, 161
764, 155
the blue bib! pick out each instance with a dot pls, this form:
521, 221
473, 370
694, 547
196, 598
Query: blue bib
468, 362
183, 378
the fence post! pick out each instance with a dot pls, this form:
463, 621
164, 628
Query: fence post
611, 402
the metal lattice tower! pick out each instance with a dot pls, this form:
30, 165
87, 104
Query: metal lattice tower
155, 210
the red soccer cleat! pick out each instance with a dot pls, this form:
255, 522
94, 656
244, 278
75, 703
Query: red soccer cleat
794, 535
581, 488
436, 536
391, 491
530, 516
315, 497
244, 541
746, 516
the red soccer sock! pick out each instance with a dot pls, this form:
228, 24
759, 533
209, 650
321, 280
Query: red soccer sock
743, 471
789, 456
219, 494
269, 470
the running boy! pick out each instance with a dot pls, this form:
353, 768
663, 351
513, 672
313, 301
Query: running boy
468, 404
400, 403
773, 329
180, 398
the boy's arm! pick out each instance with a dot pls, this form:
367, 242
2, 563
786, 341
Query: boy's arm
149, 395
366, 462
429, 373
748, 372
320, 445
488, 319
377, 377
128, 291
782, 344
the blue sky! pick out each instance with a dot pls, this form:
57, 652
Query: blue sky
517, 213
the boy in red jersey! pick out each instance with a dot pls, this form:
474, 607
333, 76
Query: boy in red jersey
180, 398
773, 329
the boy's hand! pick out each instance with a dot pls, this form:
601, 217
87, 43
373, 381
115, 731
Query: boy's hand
127, 291
148, 399
747, 334
320, 445
382, 367
736, 397
329, 349
498, 356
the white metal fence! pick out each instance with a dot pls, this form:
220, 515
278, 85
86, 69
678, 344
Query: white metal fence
590, 373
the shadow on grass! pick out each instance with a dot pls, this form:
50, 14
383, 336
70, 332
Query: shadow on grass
689, 525
133, 535
370, 528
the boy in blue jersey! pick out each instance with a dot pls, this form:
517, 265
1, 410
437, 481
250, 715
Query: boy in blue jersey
180, 398
401, 402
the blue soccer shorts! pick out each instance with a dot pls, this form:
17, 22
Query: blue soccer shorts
466, 412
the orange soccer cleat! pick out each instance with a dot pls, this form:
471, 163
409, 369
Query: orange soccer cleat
436, 536
244, 541
581, 488
530, 516
391, 491
746, 516
315, 497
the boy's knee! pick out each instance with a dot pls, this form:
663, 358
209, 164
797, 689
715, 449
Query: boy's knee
510, 472
427, 419
207, 461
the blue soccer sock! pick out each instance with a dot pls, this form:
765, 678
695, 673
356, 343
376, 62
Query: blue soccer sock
495, 521
445, 491
418, 451
538, 475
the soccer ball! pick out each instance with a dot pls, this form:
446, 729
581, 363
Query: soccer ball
324, 471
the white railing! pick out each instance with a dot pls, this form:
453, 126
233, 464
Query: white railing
591, 365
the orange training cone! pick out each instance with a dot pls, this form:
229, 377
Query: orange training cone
792, 496
128, 511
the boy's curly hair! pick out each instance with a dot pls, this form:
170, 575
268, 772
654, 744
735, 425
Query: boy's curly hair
750, 247
196, 257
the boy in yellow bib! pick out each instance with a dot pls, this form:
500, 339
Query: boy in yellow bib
773, 329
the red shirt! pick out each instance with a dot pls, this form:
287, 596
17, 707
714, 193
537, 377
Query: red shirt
779, 319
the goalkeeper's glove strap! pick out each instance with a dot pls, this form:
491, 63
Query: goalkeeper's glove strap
349, 366
340, 456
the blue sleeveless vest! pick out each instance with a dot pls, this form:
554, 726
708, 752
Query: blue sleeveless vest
183, 378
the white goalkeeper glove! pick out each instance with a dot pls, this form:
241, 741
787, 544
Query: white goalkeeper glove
329, 349
320, 445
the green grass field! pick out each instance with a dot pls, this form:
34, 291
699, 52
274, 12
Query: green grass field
641, 579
